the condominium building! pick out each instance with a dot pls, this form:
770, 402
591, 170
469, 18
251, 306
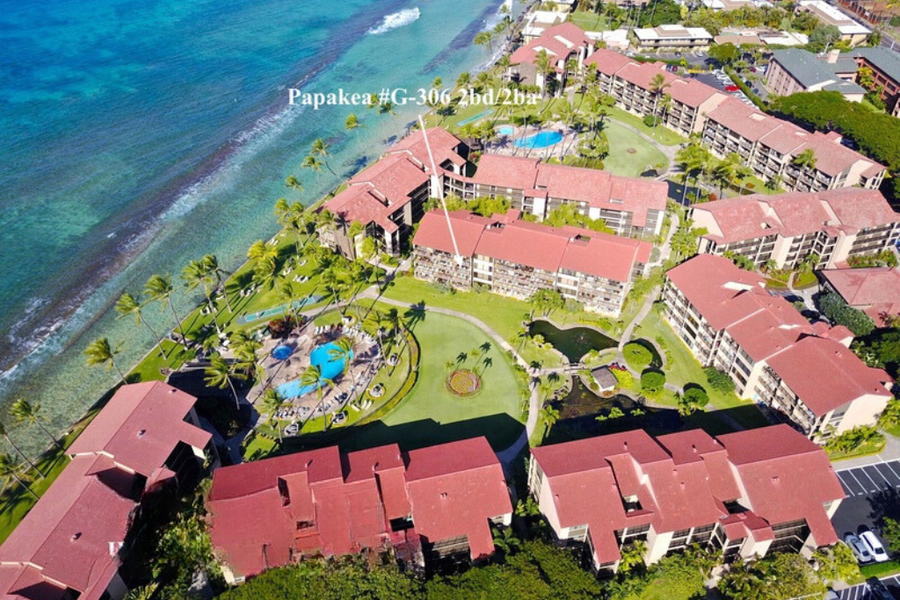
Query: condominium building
387, 198
874, 290
793, 70
671, 38
425, 504
634, 207
769, 145
565, 45
747, 493
787, 229
803, 373
517, 258
71, 544
851, 30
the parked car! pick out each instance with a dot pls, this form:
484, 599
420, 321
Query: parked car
874, 546
859, 549
879, 590
731, 88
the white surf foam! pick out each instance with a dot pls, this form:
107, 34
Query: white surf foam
395, 20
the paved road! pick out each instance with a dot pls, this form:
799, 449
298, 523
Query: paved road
878, 477
862, 591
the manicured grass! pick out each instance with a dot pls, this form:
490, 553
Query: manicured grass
880, 570
506, 316
865, 449
805, 280
589, 21
663, 135
150, 369
431, 413
630, 164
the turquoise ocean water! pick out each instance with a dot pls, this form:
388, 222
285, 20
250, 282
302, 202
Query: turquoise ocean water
139, 135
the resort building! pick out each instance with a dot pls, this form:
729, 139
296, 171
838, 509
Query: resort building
421, 505
852, 31
805, 374
70, 545
769, 145
794, 70
885, 67
873, 290
672, 38
517, 258
539, 21
788, 229
632, 207
387, 198
747, 493
565, 44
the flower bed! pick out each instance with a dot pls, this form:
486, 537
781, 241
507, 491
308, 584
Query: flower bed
463, 382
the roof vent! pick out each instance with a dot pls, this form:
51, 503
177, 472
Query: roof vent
625, 444
309, 463
775, 479
141, 433
694, 448
443, 494
76, 535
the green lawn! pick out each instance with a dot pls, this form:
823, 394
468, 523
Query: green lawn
663, 135
150, 368
684, 369
621, 161
589, 21
431, 413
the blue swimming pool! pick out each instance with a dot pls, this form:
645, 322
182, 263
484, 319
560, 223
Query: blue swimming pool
539, 140
321, 358
506, 130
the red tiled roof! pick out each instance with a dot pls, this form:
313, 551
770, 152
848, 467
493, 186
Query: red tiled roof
825, 375
642, 74
746, 121
70, 531
345, 502
560, 42
534, 245
140, 427
786, 477
607, 61
874, 290
683, 480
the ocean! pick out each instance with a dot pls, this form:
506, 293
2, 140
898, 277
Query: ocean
140, 135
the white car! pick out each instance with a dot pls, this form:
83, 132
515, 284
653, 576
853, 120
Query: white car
874, 546
860, 551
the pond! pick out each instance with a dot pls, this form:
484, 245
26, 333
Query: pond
573, 342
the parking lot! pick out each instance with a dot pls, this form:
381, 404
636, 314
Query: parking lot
879, 477
862, 591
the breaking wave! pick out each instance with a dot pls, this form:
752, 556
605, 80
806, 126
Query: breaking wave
395, 20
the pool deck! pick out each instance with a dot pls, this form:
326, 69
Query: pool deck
505, 144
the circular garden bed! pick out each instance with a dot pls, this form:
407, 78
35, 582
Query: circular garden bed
463, 382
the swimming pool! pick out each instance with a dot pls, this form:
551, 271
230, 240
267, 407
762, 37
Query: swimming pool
506, 130
321, 358
539, 140
282, 352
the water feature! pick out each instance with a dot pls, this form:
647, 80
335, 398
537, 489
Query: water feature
330, 368
539, 140
506, 130
573, 342
282, 352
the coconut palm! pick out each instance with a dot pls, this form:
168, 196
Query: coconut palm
211, 267
101, 352
24, 411
5, 434
221, 374
484, 38
311, 162
320, 148
549, 416
288, 295
271, 403
293, 183
10, 470
159, 289
343, 352
312, 376
195, 274
543, 65
657, 86
804, 160
262, 251
129, 305
352, 123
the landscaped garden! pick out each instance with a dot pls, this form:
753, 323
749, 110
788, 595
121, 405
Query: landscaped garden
631, 155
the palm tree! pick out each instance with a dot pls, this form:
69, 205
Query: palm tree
352, 123
311, 162
320, 148
262, 251
294, 183
210, 265
343, 352
549, 416
159, 288
221, 374
9, 469
271, 403
24, 411
543, 65
129, 305
657, 86
195, 274
100, 352
804, 160
505, 541
312, 376
484, 38
287, 295
144, 592
5, 434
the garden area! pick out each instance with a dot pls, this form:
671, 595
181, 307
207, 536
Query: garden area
630, 155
